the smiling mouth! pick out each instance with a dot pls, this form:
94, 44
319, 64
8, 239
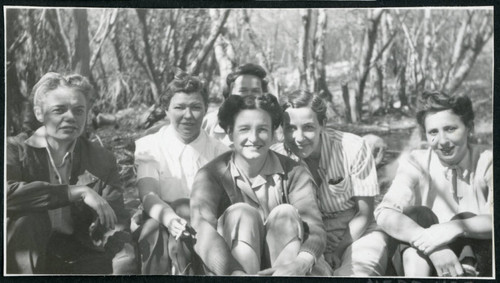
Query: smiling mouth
253, 146
69, 128
447, 151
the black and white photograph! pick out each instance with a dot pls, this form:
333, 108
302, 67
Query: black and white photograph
310, 142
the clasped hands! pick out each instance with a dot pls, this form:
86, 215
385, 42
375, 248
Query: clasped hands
433, 242
434, 237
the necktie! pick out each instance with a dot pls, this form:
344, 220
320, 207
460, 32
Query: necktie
454, 183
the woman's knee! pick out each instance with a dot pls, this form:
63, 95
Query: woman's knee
242, 214
284, 220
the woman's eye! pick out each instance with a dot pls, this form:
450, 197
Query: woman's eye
451, 129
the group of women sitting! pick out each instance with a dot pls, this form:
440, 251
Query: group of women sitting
222, 195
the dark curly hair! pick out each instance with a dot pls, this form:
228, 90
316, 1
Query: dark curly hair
245, 69
435, 101
184, 82
302, 98
234, 104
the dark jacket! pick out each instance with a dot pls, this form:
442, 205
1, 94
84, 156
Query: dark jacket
214, 191
30, 191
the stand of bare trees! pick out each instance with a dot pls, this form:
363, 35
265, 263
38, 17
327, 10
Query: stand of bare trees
130, 55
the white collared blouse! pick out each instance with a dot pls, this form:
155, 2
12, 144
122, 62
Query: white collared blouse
163, 157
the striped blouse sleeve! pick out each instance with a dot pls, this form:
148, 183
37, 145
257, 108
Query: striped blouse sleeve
363, 172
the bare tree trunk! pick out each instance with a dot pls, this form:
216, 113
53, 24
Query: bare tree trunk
304, 47
369, 38
81, 58
154, 81
401, 85
264, 60
224, 54
476, 43
346, 96
14, 97
320, 84
100, 37
428, 44
195, 67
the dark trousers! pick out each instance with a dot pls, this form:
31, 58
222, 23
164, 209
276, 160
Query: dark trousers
159, 250
477, 249
32, 248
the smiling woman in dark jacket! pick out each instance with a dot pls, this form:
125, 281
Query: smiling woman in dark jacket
254, 210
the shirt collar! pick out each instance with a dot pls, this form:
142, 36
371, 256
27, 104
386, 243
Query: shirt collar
39, 140
463, 168
272, 167
176, 147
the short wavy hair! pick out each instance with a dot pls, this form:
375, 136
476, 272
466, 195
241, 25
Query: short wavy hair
302, 98
51, 81
234, 104
245, 69
184, 82
435, 101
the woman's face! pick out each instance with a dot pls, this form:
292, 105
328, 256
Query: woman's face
63, 113
447, 135
186, 111
302, 131
252, 134
247, 85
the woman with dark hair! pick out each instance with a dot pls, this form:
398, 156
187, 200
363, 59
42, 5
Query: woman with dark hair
440, 203
255, 211
247, 80
167, 162
344, 171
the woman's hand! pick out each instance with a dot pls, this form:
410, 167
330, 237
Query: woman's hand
446, 263
176, 225
435, 236
107, 216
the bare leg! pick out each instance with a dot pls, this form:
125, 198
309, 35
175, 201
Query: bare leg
284, 234
242, 228
246, 256
414, 264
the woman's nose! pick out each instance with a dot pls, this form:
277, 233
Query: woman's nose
188, 113
298, 135
252, 135
442, 138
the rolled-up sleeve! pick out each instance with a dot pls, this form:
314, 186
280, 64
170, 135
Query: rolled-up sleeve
364, 173
145, 159
401, 193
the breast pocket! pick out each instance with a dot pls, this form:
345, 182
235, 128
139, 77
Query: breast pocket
338, 186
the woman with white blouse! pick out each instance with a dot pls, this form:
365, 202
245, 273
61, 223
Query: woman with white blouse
167, 162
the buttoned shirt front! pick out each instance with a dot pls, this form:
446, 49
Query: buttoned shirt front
165, 158
422, 180
346, 169
264, 191
59, 174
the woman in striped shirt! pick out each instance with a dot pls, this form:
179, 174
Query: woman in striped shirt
345, 174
